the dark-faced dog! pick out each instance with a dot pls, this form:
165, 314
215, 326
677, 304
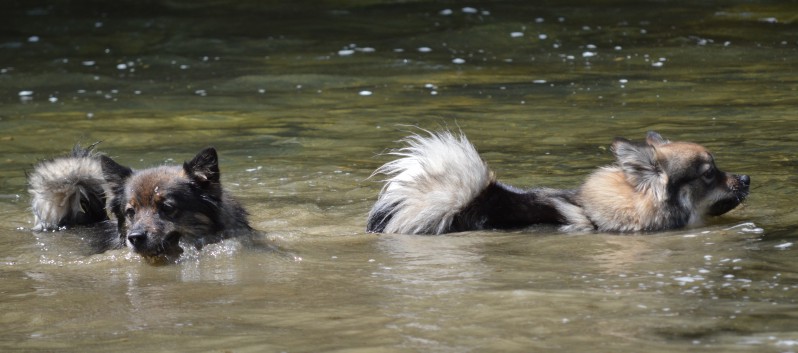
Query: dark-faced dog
156, 209
440, 184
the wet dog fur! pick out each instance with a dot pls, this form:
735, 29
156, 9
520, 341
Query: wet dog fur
155, 209
439, 184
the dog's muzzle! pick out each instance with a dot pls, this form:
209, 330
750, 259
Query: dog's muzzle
743, 181
738, 191
168, 247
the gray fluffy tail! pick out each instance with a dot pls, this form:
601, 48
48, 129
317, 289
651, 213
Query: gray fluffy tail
68, 191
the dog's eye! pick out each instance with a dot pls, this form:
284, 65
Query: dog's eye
709, 174
169, 209
130, 212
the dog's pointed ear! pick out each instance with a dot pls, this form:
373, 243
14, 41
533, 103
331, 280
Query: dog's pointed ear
116, 175
640, 166
204, 168
113, 172
655, 139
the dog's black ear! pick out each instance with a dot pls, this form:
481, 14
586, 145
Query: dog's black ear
116, 175
204, 168
655, 139
641, 167
113, 172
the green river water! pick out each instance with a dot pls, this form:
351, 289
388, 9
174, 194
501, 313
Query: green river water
302, 99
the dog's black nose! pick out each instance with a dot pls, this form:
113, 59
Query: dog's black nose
137, 239
745, 180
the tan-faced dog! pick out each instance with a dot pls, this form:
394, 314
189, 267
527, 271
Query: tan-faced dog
440, 184
155, 209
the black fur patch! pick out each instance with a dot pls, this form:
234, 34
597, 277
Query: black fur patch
503, 207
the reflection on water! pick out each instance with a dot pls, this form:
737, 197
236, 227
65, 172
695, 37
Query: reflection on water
300, 99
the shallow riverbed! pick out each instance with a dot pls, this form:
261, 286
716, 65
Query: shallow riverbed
301, 101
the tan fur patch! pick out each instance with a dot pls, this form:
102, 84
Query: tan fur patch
150, 187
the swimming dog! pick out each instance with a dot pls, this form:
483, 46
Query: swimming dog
440, 184
155, 209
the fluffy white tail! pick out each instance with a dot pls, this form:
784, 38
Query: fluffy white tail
436, 176
68, 190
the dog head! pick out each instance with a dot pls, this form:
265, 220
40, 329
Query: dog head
681, 176
159, 207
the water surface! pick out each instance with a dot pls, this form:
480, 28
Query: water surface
301, 100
